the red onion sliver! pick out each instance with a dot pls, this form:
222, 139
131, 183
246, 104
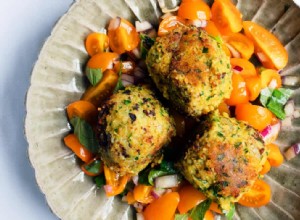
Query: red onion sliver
292, 152
238, 68
139, 216
108, 188
136, 52
142, 26
126, 83
155, 196
128, 78
166, 181
270, 133
135, 179
233, 51
266, 131
114, 23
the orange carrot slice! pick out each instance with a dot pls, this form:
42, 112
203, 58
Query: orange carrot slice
226, 16
267, 47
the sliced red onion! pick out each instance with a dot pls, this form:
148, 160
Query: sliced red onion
108, 188
199, 23
136, 52
290, 80
128, 78
273, 84
289, 108
270, 133
139, 216
139, 73
142, 26
135, 179
262, 57
233, 51
238, 69
201, 15
114, 23
166, 181
157, 192
292, 152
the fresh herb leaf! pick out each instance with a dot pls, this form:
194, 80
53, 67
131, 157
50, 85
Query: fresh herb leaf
265, 95
94, 75
218, 39
275, 99
119, 85
167, 166
204, 50
230, 213
85, 134
146, 44
181, 217
94, 167
143, 176
198, 212
100, 180
155, 173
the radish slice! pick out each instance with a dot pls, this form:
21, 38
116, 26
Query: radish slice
114, 23
142, 26
292, 152
270, 133
166, 181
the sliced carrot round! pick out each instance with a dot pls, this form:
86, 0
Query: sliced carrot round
189, 198
226, 16
123, 37
270, 77
162, 208
193, 10
253, 85
72, 142
246, 68
267, 47
84, 110
259, 195
168, 24
102, 60
212, 29
239, 93
275, 156
266, 168
96, 43
241, 44
256, 116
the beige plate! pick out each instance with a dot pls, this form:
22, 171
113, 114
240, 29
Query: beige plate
57, 79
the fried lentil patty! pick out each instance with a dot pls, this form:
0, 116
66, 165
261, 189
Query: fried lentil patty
191, 70
133, 126
225, 158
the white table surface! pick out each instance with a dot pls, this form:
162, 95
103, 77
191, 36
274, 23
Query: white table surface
24, 26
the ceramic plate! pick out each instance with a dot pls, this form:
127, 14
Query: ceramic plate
57, 80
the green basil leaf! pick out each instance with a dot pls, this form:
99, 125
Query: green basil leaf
276, 107
155, 173
85, 134
119, 85
146, 43
285, 94
230, 213
198, 212
181, 217
94, 75
265, 95
143, 177
167, 166
94, 167
100, 180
